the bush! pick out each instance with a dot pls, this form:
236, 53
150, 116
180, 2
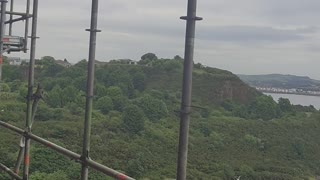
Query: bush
104, 104
4, 87
264, 107
153, 108
133, 118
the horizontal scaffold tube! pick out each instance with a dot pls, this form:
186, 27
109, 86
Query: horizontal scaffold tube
10, 172
97, 166
16, 13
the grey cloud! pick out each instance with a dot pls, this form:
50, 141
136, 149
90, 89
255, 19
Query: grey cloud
296, 12
254, 34
232, 31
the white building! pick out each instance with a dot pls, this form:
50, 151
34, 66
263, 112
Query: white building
16, 61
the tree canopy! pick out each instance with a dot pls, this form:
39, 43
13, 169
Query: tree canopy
234, 130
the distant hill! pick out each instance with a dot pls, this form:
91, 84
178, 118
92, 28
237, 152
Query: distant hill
211, 86
281, 81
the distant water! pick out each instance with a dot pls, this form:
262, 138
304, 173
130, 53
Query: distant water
298, 99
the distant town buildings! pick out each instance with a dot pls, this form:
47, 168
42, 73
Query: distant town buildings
287, 91
100, 63
16, 61
63, 63
123, 61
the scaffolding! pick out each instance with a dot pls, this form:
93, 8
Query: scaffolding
11, 43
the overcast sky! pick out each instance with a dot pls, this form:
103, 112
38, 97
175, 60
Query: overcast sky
245, 37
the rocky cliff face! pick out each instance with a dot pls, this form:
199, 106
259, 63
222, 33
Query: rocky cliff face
210, 88
237, 91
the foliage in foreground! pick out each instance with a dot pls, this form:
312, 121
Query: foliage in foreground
135, 125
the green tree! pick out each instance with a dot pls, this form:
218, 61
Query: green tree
47, 60
11, 73
15, 85
172, 65
70, 94
114, 91
5, 60
147, 58
63, 82
73, 72
53, 69
285, 105
264, 107
133, 118
119, 102
177, 57
83, 64
198, 66
104, 104
240, 111
138, 81
153, 108
23, 91
48, 83
80, 83
59, 175
47, 161
54, 97
100, 90
137, 166
4, 87
246, 172
299, 147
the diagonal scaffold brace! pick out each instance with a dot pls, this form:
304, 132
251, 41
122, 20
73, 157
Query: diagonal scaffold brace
10, 172
37, 96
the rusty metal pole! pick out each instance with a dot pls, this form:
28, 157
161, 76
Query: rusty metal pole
36, 98
30, 90
90, 83
2, 30
191, 19
20, 156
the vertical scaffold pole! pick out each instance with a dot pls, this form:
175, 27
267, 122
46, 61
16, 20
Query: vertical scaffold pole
90, 82
2, 30
11, 17
191, 19
26, 31
30, 90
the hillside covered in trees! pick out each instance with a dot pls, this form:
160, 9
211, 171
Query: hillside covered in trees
235, 130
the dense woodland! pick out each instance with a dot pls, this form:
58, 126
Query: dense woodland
235, 130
